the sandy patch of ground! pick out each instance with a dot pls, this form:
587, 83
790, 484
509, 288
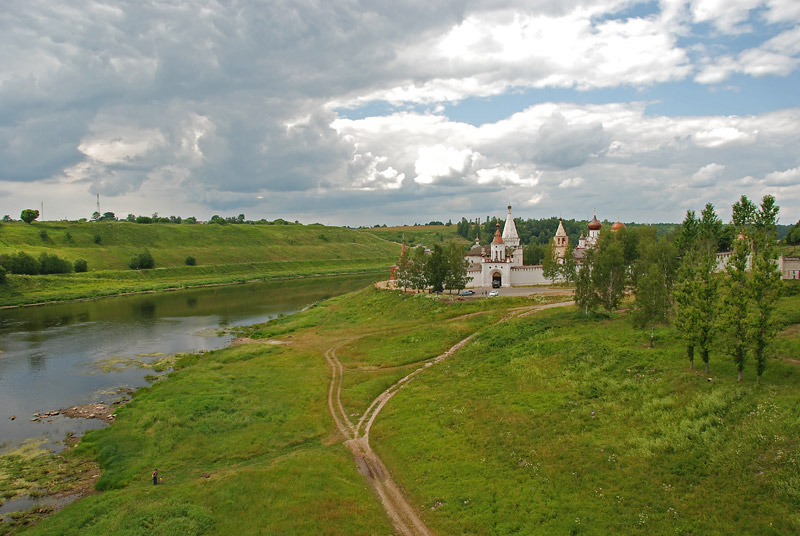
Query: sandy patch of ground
247, 340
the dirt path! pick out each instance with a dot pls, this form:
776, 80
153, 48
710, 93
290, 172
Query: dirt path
404, 517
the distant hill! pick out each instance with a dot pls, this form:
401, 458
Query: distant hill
223, 254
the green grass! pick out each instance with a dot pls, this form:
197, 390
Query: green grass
241, 438
554, 425
225, 254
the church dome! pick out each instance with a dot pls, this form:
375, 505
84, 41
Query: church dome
617, 226
595, 225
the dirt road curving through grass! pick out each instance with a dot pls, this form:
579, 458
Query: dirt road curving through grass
404, 517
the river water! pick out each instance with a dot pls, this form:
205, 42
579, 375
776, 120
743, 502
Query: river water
56, 356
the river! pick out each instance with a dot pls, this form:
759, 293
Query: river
61, 355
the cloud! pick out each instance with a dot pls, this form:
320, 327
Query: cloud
163, 106
440, 162
789, 177
571, 182
723, 136
778, 56
707, 175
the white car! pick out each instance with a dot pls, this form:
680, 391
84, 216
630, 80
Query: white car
494, 293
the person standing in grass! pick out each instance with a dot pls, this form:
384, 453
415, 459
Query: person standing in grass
155, 477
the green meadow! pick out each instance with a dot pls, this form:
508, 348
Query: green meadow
545, 423
555, 424
224, 254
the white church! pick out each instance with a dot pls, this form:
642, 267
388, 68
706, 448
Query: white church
500, 263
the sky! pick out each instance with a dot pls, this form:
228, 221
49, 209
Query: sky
399, 111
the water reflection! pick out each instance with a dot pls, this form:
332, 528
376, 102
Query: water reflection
49, 353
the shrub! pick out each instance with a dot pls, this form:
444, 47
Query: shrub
68, 236
98, 239
52, 264
20, 263
191, 261
141, 261
28, 215
43, 235
2, 275
81, 265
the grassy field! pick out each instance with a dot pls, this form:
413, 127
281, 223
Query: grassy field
243, 437
550, 423
224, 254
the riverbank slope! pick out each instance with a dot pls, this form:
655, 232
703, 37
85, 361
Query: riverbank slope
223, 254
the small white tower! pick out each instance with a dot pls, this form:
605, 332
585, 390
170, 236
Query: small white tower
498, 247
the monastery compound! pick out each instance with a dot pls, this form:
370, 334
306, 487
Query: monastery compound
500, 263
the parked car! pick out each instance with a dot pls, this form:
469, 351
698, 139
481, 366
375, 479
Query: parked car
494, 293
466, 293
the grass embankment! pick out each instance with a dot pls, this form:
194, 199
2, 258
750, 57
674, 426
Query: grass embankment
243, 437
553, 424
224, 254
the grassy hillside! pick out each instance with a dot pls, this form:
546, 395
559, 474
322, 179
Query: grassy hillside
550, 423
417, 234
224, 254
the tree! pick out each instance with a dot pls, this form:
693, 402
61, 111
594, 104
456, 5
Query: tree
744, 213
710, 229
609, 271
404, 269
733, 318
456, 277
436, 269
417, 269
141, 261
569, 266
685, 295
688, 233
20, 263
696, 288
765, 282
29, 215
584, 290
53, 264
654, 276
550, 267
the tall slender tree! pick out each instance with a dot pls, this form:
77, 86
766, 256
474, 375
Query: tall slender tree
654, 276
765, 281
734, 316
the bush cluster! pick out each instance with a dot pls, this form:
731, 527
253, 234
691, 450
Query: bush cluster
81, 265
141, 261
191, 261
23, 263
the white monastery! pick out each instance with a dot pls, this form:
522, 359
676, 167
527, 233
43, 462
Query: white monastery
500, 263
